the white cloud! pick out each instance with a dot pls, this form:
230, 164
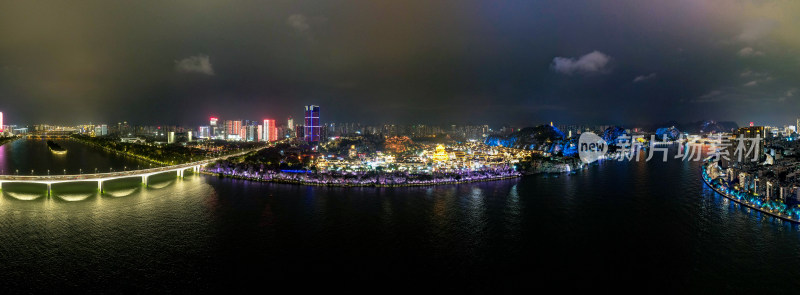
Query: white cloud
299, 23
749, 51
751, 83
642, 78
755, 30
592, 62
195, 64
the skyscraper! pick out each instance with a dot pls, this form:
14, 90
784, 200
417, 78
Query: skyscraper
229, 128
796, 128
270, 131
101, 130
213, 128
312, 125
289, 123
202, 132
1, 121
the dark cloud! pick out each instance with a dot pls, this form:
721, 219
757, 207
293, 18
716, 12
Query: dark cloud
413, 61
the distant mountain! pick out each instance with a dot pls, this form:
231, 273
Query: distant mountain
705, 126
611, 134
528, 138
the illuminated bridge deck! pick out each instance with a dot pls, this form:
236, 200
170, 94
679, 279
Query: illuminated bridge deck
101, 177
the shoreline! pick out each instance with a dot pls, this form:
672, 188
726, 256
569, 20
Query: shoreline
329, 184
121, 153
745, 202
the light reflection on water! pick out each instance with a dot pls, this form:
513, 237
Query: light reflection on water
616, 221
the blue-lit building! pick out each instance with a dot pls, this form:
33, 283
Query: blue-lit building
311, 130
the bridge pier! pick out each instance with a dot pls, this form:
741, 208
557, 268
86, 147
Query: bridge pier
144, 180
100, 186
1, 185
49, 188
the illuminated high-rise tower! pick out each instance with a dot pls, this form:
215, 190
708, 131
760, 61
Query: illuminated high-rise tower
290, 123
213, 129
311, 130
1, 121
270, 130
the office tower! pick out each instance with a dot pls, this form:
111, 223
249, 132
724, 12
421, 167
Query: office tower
189, 136
171, 137
101, 130
1, 121
203, 132
312, 125
270, 131
213, 129
237, 126
229, 128
260, 133
252, 131
289, 123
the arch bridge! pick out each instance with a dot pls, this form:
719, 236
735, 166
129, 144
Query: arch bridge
52, 134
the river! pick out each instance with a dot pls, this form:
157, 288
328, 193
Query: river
614, 225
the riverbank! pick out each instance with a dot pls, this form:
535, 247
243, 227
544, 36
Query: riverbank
369, 181
4, 140
739, 200
139, 157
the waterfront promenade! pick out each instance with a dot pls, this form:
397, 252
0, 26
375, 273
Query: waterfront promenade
793, 216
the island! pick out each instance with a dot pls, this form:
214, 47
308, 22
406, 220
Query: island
55, 148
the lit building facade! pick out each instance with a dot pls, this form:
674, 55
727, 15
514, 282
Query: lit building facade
203, 132
312, 125
213, 128
101, 130
270, 130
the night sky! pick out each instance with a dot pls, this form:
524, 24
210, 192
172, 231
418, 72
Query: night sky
435, 62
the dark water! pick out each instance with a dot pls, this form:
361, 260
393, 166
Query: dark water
26, 157
629, 226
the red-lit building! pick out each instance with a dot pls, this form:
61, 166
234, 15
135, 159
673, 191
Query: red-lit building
270, 130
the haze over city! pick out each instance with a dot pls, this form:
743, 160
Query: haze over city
600, 62
497, 147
